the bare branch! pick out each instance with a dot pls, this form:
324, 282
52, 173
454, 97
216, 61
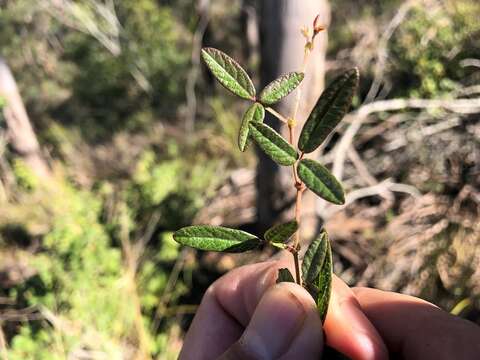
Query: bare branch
204, 17
357, 118
99, 20
470, 62
91, 17
361, 167
382, 52
459, 106
375, 190
20, 131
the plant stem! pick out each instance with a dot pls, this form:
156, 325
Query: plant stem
299, 186
296, 106
297, 183
297, 267
277, 115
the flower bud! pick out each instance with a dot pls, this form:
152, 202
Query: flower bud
317, 27
305, 32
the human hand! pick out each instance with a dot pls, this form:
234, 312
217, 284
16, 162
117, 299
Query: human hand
415, 329
244, 315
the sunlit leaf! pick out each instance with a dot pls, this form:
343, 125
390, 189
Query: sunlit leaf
282, 232
317, 272
281, 87
256, 113
273, 144
284, 275
318, 179
229, 73
216, 238
331, 107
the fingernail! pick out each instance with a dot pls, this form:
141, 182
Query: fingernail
276, 321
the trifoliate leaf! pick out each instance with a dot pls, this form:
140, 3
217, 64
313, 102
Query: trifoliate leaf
317, 272
273, 144
318, 179
284, 275
256, 113
281, 87
216, 238
282, 232
229, 73
331, 107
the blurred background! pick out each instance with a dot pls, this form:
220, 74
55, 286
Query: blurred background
113, 135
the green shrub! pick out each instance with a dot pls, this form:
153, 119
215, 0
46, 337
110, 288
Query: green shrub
428, 47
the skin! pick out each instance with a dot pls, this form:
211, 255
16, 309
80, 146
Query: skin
245, 315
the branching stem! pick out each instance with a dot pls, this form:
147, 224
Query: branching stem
299, 186
291, 123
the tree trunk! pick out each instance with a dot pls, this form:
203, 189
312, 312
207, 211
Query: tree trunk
282, 48
19, 129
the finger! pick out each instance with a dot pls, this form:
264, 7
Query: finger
226, 309
284, 325
348, 330
417, 329
309, 340
240, 290
210, 322
391, 314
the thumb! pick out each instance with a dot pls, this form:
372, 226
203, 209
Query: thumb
284, 325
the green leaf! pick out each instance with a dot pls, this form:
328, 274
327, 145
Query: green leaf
229, 73
273, 144
325, 285
314, 258
281, 87
318, 179
256, 113
282, 232
317, 272
331, 107
216, 238
284, 275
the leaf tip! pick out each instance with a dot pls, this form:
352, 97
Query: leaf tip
205, 51
284, 275
177, 235
339, 198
